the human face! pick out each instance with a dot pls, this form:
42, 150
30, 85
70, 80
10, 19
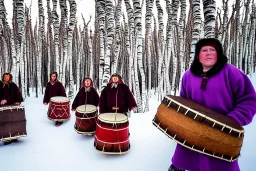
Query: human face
208, 57
115, 79
87, 83
6, 78
53, 77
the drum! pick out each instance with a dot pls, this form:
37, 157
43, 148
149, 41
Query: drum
59, 109
112, 134
86, 116
12, 122
199, 128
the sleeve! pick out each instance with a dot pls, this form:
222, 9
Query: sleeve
96, 97
131, 101
46, 94
245, 101
62, 91
17, 96
75, 102
103, 101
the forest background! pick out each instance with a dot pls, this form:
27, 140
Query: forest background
150, 43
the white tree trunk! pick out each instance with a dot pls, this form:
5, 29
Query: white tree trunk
160, 48
196, 28
209, 18
182, 36
175, 6
72, 23
41, 39
90, 55
110, 37
148, 21
13, 71
64, 38
100, 6
56, 25
139, 37
132, 43
117, 41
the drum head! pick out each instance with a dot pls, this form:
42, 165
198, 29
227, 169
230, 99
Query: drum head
86, 108
59, 99
113, 118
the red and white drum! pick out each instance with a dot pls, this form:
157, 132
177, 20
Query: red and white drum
86, 116
112, 133
59, 109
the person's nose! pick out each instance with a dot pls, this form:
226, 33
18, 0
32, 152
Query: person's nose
208, 51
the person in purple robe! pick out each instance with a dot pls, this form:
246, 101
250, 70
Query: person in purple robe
54, 88
116, 97
86, 95
9, 95
219, 86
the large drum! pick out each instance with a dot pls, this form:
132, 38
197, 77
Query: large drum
59, 109
86, 116
12, 122
112, 133
199, 128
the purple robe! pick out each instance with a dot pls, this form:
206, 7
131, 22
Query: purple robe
10, 92
119, 96
86, 97
229, 92
53, 89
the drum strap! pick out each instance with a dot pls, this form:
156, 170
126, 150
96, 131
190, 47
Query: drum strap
116, 102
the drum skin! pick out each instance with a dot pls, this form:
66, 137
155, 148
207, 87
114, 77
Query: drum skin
196, 134
112, 137
86, 116
59, 109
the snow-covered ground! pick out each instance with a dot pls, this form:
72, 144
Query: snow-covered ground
50, 148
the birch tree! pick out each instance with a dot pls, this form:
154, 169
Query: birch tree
56, 26
63, 39
196, 27
209, 18
50, 44
3, 39
245, 39
41, 37
130, 41
252, 41
100, 7
182, 20
109, 41
238, 34
19, 7
72, 23
174, 43
148, 48
160, 48
117, 41
138, 55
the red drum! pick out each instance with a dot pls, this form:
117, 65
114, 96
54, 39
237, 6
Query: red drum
86, 119
12, 122
59, 109
112, 133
